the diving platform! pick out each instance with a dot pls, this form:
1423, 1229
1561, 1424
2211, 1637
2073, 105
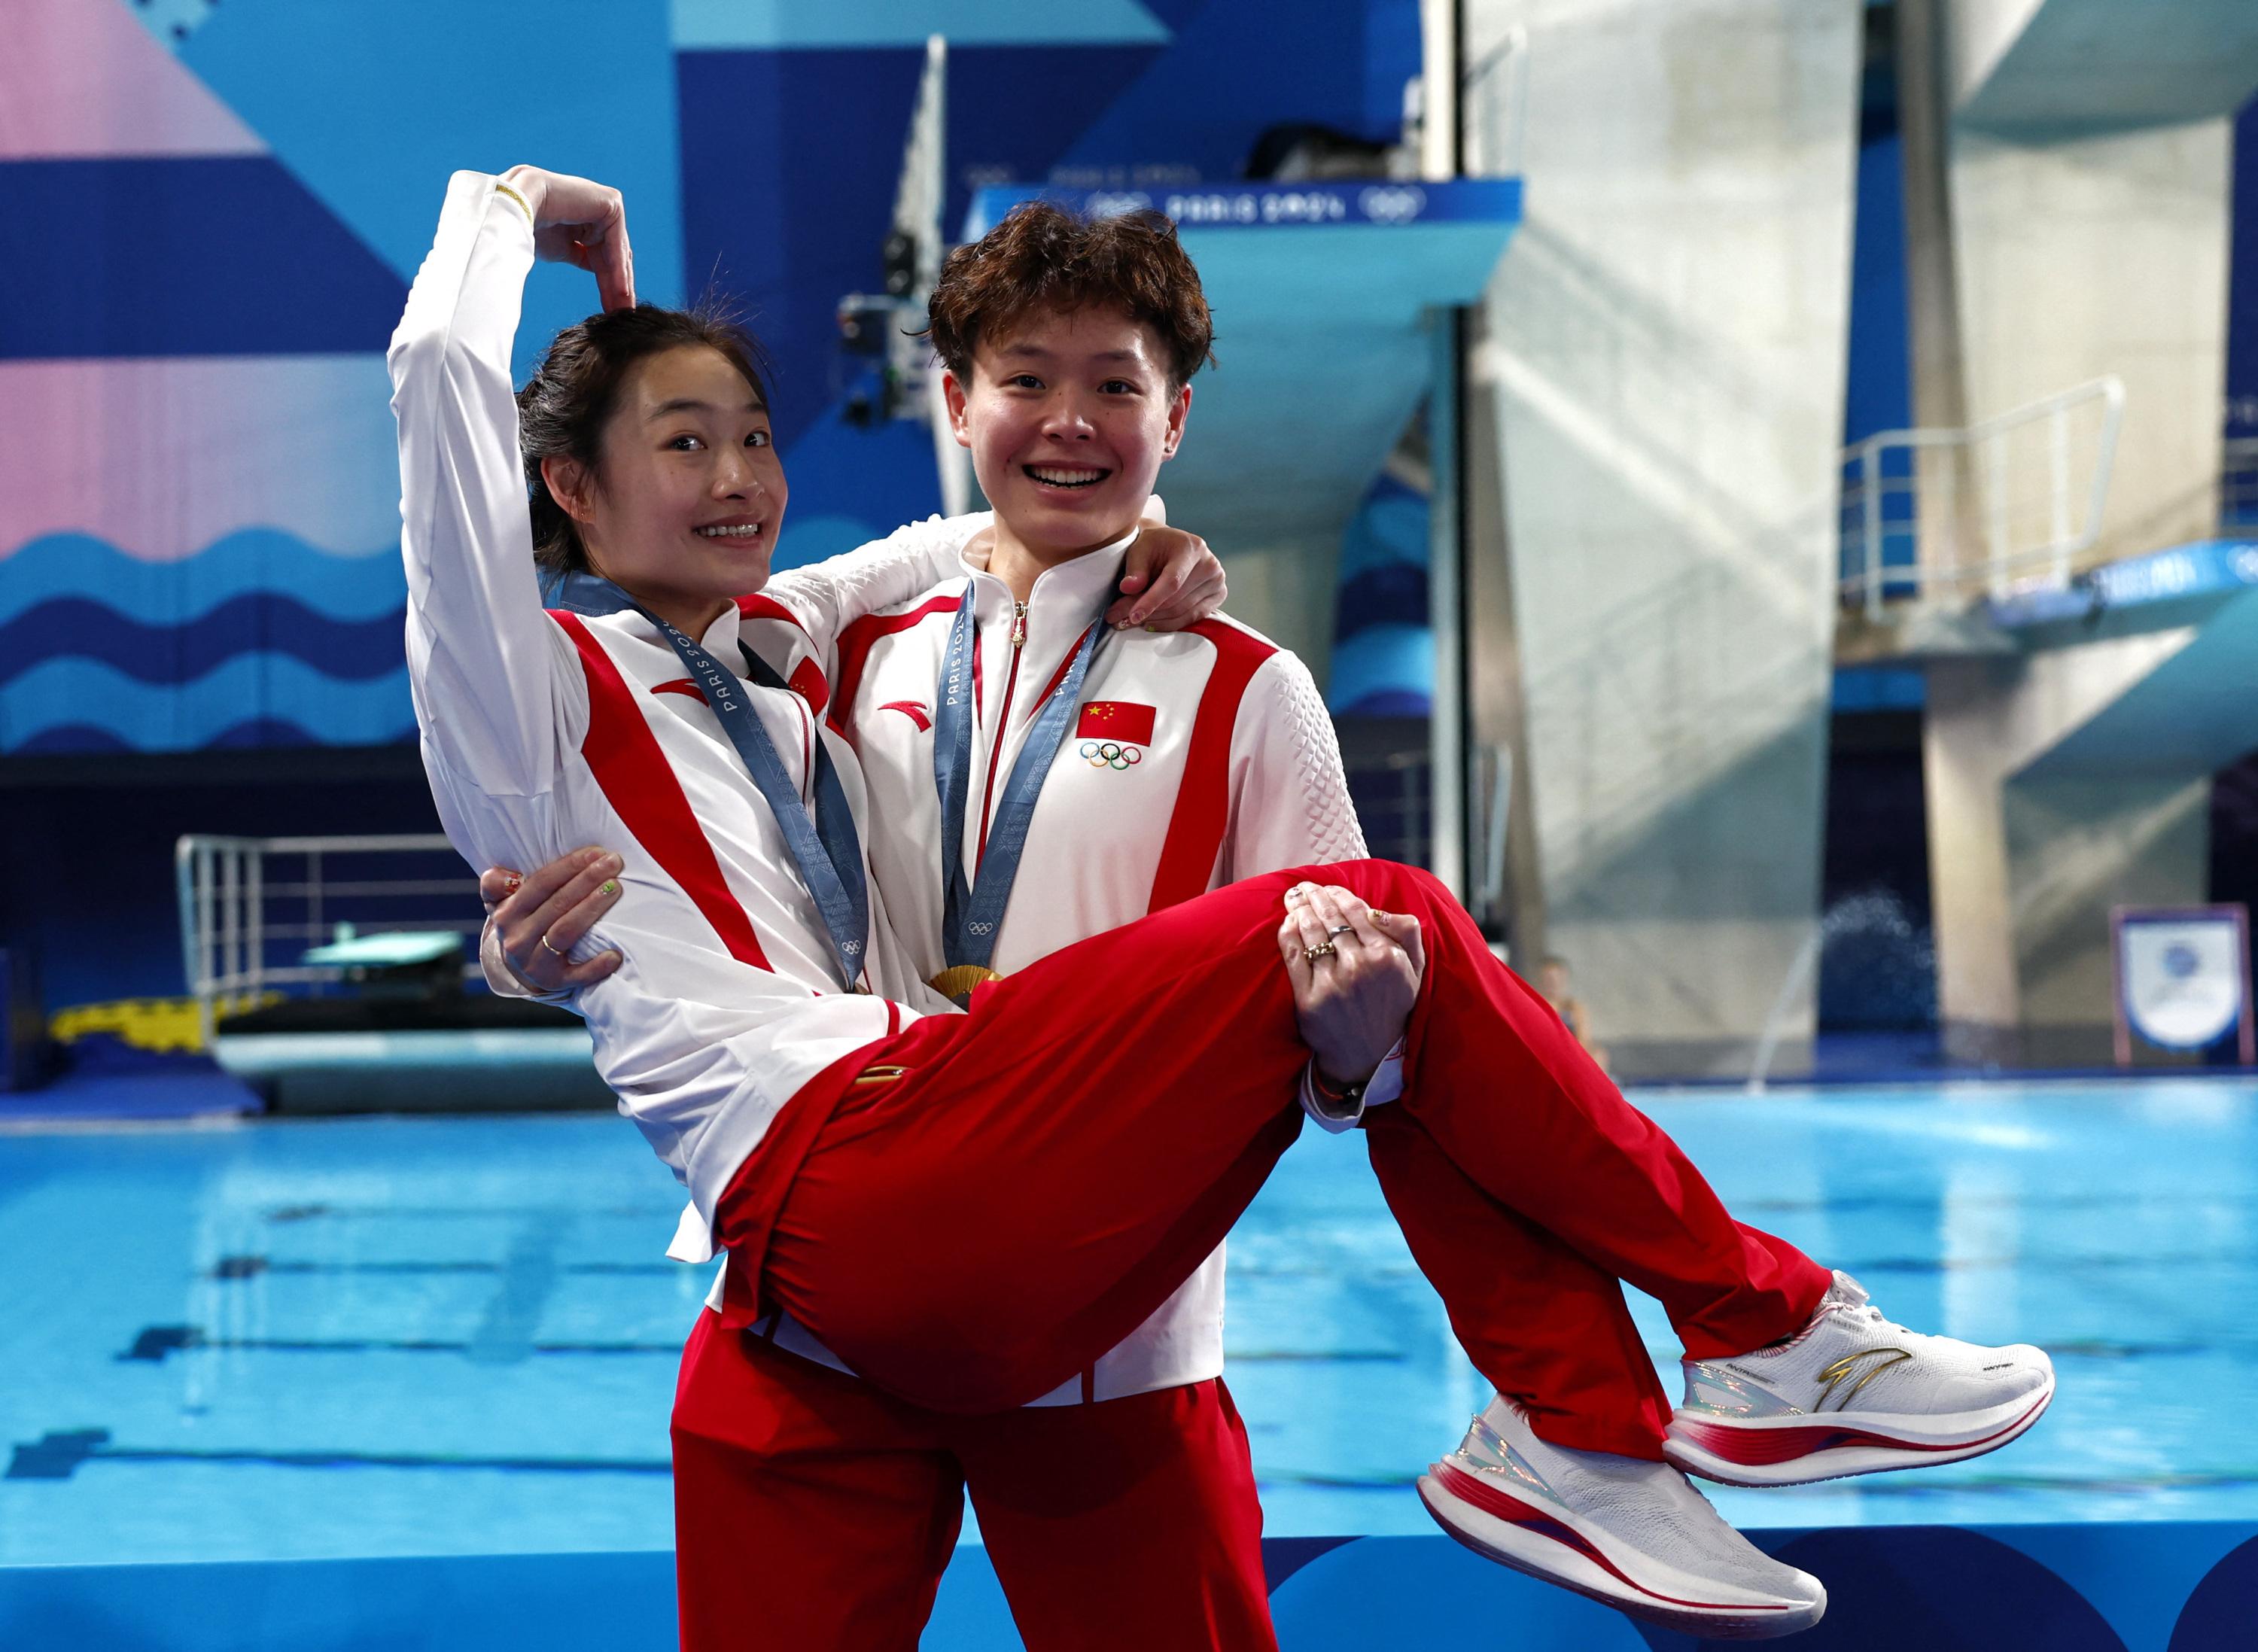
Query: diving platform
1322, 293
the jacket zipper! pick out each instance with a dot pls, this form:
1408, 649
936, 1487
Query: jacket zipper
1003, 727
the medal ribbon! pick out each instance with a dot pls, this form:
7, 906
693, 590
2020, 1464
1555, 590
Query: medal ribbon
828, 850
973, 910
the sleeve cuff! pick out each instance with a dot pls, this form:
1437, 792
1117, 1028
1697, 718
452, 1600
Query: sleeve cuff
502, 981
523, 205
1385, 1085
693, 1242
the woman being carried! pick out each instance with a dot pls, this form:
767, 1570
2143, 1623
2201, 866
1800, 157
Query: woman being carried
970, 1209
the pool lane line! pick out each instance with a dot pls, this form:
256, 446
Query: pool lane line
452, 1212
2082, 1348
2235, 1200
154, 1343
60, 1456
2042, 1261
252, 1267
230, 1269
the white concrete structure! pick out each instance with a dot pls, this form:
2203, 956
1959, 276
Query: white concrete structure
1663, 354
2081, 154
2036, 828
2105, 255
2044, 69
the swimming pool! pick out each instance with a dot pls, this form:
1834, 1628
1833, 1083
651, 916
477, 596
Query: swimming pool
288, 1340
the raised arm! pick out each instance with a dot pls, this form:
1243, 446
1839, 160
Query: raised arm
483, 659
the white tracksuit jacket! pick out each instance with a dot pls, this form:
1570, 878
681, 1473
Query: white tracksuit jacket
541, 733
1197, 759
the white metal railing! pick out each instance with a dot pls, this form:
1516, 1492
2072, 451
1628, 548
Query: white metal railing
1932, 515
251, 908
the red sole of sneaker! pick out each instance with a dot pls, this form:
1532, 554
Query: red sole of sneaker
1445, 1491
1760, 1448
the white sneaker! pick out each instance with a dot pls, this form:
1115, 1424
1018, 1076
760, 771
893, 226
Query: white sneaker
1632, 1534
1852, 1394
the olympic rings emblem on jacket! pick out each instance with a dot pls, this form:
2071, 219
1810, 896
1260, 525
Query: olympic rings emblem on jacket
1108, 754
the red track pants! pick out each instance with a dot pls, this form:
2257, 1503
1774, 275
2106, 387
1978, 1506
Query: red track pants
1046, 1170
814, 1514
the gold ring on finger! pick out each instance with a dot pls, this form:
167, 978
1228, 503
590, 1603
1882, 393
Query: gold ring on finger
1312, 954
547, 948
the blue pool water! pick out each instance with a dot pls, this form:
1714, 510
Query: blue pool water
434, 1337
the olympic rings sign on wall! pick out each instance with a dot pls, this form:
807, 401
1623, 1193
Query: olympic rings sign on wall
1108, 754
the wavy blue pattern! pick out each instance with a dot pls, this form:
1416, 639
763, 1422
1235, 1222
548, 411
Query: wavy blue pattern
161, 655
254, 560
83, 739
83, 694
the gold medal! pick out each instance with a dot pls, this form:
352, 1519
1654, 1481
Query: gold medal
956, 983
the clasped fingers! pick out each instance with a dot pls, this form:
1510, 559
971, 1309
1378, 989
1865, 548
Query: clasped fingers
1353, 985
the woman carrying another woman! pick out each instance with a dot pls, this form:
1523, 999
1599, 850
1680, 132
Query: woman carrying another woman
1086, 776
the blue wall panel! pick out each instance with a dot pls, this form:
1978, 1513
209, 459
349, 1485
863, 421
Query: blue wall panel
194, 255
1878, 393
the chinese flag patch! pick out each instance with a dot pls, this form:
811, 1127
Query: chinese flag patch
1124, 720
806, 681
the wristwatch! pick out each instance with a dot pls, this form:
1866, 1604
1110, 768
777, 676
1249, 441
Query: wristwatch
1347, 1099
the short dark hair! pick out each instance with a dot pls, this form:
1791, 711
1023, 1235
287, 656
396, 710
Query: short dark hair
1043, 257
563, 407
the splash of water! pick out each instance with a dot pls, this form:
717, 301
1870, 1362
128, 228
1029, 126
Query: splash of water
1877, 916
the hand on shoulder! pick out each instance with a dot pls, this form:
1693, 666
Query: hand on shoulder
1170, 581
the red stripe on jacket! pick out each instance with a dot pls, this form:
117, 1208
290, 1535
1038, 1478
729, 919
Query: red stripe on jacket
806, 678
807, 682
642, 786
861, 637
757, 606
1203, 811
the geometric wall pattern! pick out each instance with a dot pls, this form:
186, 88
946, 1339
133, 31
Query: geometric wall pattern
209, 214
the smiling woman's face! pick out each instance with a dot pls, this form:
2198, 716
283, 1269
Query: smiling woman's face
1069, 417
688, 493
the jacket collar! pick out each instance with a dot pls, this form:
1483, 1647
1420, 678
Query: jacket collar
1071, 594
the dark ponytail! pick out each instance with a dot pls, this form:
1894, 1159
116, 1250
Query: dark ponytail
563, 407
